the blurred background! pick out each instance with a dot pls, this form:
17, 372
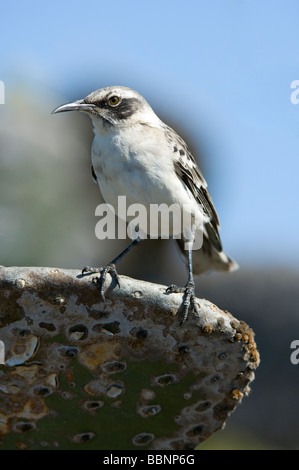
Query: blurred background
220, 73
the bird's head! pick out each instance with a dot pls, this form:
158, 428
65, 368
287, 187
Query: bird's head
113, 106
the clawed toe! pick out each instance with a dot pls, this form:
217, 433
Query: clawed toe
189, 302
90, 270
189, 299
110, 268
173, 289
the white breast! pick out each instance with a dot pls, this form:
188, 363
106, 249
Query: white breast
137, 163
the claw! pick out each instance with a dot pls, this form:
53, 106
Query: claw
89, 269
189, 299
173, 289
110, 268
189, 302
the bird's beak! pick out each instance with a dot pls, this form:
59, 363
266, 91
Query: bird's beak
79, 105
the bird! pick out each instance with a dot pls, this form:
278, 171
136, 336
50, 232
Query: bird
135, 154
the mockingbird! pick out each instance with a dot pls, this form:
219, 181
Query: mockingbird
134, 154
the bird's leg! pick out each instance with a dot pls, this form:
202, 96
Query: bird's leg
110, 268
189, 298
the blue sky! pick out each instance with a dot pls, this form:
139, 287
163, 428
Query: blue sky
218, 70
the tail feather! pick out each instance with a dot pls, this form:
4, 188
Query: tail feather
210, 257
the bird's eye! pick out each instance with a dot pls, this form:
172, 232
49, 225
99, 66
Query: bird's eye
113, 100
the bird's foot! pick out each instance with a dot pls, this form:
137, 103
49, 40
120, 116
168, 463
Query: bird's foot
110, 268
189, 299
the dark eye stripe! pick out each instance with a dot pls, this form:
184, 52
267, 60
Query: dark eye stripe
123, 110
126, 108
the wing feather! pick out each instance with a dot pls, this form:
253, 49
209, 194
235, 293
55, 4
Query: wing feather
187, 170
